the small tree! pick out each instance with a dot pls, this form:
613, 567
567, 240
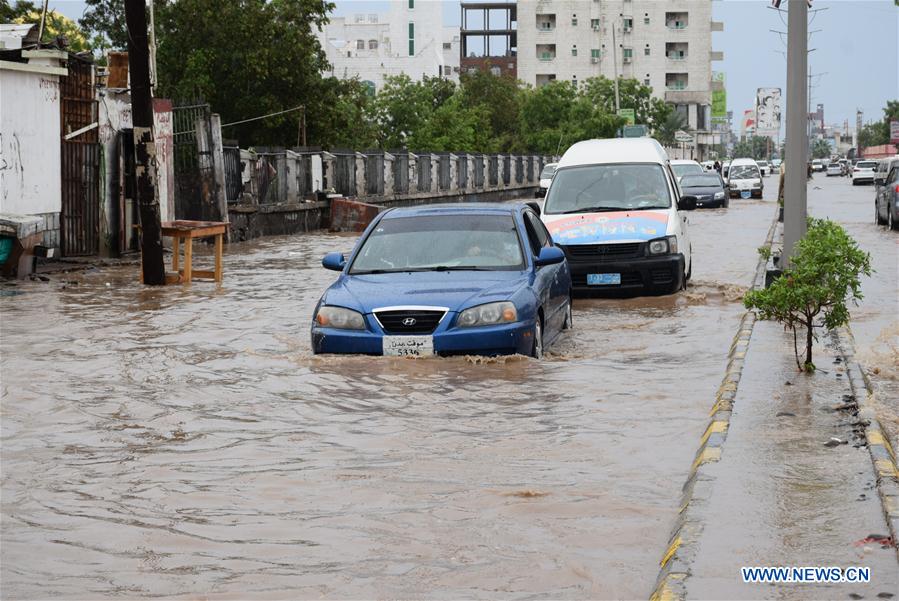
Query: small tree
825, 274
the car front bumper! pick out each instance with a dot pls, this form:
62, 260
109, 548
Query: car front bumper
645, 273
506, 339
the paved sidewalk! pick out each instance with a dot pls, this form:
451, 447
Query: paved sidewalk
781, 496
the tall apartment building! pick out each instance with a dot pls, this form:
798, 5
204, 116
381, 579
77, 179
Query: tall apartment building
665, 44
409, 39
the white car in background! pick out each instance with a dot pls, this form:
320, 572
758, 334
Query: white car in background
684, 167
708, 165
834, 169
764, 168
745, 179
546, 177
863, 172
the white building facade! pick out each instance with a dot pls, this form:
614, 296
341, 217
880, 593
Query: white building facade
409, 39
666, 45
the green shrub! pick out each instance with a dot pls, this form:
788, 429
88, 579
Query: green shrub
824, 275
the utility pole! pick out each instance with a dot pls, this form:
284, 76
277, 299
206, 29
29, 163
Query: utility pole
615, 65
152, 265
795, 186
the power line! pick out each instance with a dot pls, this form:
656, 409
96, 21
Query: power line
296, 108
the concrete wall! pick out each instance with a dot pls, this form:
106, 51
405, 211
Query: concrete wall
30, 150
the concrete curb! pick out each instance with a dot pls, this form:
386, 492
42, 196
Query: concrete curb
883, 457
697, 490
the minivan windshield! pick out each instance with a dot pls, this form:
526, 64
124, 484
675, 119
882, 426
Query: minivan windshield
744, 172
616, 187
470, 242
866, 164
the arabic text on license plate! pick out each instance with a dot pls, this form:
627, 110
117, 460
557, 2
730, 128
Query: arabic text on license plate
603, 279
408, 346
745, 193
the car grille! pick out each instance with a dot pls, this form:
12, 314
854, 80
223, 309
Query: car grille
604, 252
424, 321
661, 276
628, 278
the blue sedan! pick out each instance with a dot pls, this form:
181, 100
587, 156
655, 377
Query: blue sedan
458, 279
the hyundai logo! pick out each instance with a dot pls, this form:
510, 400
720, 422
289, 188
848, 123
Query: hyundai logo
409, 322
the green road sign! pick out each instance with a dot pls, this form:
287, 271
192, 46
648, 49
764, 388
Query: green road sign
635, 131
629, 116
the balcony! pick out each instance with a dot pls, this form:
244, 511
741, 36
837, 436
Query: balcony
717, 55
546, 23
677, 51
546, 52
676, 82
677, 21
676, 86
717, 26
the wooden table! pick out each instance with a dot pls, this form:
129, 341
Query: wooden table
186, 231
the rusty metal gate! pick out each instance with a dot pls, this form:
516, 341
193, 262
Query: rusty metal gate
374, 173
462, 171
233, 173
190, 195
80, 160
344, 172
443, 171
423, 165
479, 171
493, 170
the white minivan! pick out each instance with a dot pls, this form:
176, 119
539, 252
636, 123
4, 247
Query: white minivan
614, 207
744, 179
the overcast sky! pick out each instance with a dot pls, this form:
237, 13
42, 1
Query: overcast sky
856, 49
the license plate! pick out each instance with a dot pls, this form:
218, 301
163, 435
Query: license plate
745, 193
408, 346
603, 279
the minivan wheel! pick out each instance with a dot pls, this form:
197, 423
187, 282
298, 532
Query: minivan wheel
537, 351
894, 225
877, 219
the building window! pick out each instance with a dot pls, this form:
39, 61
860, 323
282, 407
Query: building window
574, 80
646, 50
594, 23
360, 44
628, 53
494, 70
372, 44
411, 36
628, 23
411, 3
646, 19
359, 18
447, 45
574, 20
594, 53
447, 70
646, 81
574, 50
372, 18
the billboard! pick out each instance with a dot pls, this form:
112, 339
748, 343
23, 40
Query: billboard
747, 124
767, 112
894, 131
629, 116
719, 98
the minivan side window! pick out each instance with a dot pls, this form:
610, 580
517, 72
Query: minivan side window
893, 177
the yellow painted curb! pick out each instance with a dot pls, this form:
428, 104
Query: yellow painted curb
876, 438
714, 427
671, 550
707, 455
664, 592
886, 469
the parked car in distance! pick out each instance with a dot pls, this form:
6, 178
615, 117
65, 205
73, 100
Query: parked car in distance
886, 197
818, 165
708, 189
546, 177
683, 167
453, 279
776, 163
764, 168
708, 165
863, 172
725, 169
744, 179
834, 169
614, 208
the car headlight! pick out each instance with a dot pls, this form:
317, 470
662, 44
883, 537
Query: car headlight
340, 318
488, 315
719, 195
756, 185
663, 246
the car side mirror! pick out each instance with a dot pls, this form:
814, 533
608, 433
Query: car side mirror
535, 206
549, 255
334, 261
686, 203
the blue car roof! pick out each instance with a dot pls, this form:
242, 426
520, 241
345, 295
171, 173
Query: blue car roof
454, 209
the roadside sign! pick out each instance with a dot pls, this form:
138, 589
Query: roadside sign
629, 116
683, 137
894, 131
635, 131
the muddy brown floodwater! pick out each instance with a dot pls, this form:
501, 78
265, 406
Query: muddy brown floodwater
184, 442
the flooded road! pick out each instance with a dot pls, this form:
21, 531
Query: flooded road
184, 442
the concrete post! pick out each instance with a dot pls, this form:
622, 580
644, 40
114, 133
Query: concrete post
413, 173
360, 175
500, 171
388, 175
454, 176
328, 172
435, 173
795, 186
318, 179
470, 185
291, 160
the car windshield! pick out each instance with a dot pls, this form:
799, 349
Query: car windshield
744, 172
866, 164
762, 163
435, 242
682, 170
834, 166
590, 188
547, 172
699, 181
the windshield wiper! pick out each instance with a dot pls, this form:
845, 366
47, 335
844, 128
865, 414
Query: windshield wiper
460, 268
594, 210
